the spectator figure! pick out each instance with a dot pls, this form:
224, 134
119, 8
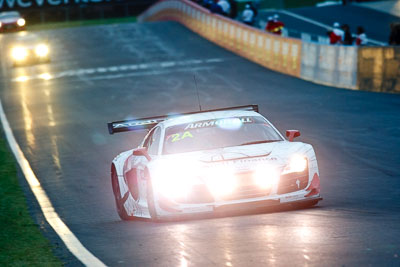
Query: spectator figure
336, 35
225, 6
215, 8
361, 38
348, 39
252, 7
277, 25
394, 38
248, 15
270, 24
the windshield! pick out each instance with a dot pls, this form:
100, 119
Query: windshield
218, 133
6, 15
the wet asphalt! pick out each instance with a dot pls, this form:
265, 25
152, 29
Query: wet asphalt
58, 113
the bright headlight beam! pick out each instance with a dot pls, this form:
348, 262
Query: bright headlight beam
221, 181
21, 22
19, 53
297, 163
42, 50
266, 176
174, 180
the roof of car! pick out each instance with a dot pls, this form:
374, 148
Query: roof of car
207, 116
9, 14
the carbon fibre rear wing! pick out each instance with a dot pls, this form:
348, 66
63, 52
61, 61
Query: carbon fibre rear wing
149, 122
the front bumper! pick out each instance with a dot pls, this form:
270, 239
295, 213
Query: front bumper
12, 27
309, 191
232, 209
31, 60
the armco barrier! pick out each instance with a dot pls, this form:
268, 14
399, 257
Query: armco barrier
274, 52
365, 68
379, 69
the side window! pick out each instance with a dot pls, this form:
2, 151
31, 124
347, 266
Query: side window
154, 141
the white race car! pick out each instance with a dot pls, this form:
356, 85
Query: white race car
211, 161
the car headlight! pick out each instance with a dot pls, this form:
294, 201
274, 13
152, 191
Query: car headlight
266, 176
220, 180
42, 50
174, 179
297, 163
0, 24
21, 22
19, 53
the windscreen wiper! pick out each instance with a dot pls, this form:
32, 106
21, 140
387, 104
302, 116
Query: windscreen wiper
259, 142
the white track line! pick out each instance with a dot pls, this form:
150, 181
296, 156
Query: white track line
62, 230
113, 69
321, 24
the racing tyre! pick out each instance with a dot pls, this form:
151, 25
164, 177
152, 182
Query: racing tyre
117, 195
150, 199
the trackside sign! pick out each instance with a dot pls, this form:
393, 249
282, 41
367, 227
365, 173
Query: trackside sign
21, 4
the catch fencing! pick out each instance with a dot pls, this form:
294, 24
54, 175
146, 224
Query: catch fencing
365, 68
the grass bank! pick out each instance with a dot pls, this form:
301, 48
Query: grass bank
21, 242
79, 23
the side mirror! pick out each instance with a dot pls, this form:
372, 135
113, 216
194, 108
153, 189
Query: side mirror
292, 134
142, 152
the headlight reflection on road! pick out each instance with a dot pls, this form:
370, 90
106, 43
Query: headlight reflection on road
22, 78
45, 76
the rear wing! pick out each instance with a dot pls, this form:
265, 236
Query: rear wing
149, 122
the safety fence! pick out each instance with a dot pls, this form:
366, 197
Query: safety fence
366, 68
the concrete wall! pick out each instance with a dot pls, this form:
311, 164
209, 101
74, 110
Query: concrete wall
379, 69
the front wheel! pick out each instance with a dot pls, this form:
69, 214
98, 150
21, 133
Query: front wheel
119, 201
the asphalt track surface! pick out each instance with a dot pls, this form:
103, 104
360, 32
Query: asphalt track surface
375, 23
106, 73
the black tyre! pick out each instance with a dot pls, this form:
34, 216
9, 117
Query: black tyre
117, 195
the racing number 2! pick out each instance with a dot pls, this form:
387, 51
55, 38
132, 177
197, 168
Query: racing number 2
180, 136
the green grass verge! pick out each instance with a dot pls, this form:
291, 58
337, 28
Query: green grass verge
79, 23
21, 242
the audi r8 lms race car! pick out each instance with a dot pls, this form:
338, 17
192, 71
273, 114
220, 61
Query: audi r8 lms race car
11, 21
217, 160
29, 49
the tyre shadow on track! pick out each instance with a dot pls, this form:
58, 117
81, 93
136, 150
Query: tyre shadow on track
309, 205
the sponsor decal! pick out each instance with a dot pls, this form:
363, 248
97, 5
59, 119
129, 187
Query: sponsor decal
197, 209
179, 136
132, 123
291, 198
10, 4
219, 122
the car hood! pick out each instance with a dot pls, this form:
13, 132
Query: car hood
243, 158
